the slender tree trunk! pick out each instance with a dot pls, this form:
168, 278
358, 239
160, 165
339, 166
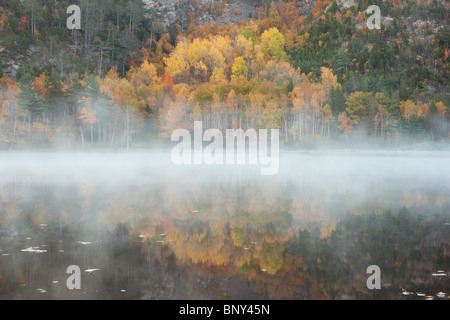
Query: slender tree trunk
29, 128
82, 137
100, 136
100, 64
128, 129
300, 125
113, 133
314, 127
32, 19
285, 130
86, 29
61, 63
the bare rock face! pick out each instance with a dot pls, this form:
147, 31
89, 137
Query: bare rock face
206, 11
307, 6
343, 5
386, 21
346, 3
235, 12
169, 9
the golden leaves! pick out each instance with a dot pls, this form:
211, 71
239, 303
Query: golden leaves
87, 115
239, 69
346, 124
39, 85
329, 80
441, 109
410, 108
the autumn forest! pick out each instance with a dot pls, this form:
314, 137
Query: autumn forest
321, 77
86, 179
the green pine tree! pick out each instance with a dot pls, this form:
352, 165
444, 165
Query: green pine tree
341, 63
28, 98
337, 101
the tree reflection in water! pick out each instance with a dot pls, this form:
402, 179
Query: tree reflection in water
154, 231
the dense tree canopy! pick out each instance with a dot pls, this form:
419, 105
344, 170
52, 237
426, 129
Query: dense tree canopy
305, 74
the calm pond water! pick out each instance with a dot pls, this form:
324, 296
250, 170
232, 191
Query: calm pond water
140, 227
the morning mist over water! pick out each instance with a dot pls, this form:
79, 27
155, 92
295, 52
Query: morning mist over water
139, 226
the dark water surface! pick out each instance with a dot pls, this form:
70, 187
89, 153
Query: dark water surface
142, 228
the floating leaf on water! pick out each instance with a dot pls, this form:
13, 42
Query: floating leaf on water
91, 270
34, 250
85, 242
420, 294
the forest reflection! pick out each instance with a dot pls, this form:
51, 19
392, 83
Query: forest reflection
141, 228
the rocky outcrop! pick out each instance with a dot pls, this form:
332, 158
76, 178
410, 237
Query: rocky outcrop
307, 6
207, 11
346, 3
169, 9
343, 5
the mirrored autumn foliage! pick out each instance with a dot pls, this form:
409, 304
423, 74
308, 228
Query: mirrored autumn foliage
308, 233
